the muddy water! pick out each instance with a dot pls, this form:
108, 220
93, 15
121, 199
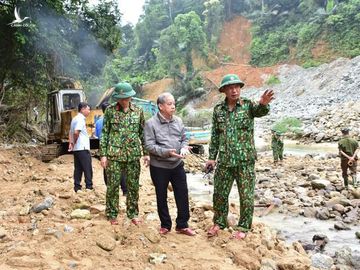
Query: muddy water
295, 148
301, 228
290, 228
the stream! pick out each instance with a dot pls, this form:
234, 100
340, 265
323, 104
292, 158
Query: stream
288, 227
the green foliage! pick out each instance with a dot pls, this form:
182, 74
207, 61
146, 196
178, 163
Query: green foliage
312, 63
288, 124
60, 39
180, 40
227, 58
329, 5
343, 28
272, 80
147, 31
269, 49
213, 14
201, 118
300, 24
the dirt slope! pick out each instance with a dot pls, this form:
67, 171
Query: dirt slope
153, 90
235, 42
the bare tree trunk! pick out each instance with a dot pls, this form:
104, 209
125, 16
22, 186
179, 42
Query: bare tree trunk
170, 10
2, 88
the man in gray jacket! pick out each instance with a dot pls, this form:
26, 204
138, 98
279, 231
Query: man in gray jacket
166, 142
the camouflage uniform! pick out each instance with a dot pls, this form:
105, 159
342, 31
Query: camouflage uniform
121, 142
232, 142
277, 146
348, 146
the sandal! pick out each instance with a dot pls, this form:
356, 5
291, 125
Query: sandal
186, 231
213, 231
239, 235
136, 221
113, 221
163, 231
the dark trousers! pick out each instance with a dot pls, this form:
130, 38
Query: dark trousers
122, 182
161, 178
82, 164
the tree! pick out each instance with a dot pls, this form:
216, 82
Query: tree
214, 14
178, 43
147, 31
60, 39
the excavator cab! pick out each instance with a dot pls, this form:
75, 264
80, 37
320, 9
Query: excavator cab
61, 108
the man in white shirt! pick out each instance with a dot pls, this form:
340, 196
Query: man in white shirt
79, 144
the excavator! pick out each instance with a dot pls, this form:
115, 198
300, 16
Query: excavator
62, 106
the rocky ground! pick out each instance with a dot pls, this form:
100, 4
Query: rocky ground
44, 225
325, 98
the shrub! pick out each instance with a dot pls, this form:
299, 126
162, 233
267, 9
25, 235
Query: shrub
272, 80
198, 119
227, 58
311, 63
288, 124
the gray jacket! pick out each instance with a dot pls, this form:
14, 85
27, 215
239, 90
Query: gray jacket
161, 135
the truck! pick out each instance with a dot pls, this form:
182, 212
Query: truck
62, 106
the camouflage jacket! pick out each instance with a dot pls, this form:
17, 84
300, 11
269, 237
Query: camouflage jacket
122, 136
348, 146
276, 141
232, 134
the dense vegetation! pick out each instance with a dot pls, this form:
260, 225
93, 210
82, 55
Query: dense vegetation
289, 30
74, 39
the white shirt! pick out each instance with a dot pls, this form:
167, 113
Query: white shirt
79, 123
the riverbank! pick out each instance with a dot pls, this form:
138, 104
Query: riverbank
56, 238
312, 199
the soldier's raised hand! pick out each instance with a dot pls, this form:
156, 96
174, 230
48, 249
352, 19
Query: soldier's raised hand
266, 97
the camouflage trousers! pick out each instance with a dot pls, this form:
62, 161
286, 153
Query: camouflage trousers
278, 152
223, 181
132, 172
344, 168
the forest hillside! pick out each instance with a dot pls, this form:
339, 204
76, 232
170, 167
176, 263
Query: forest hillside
191, 42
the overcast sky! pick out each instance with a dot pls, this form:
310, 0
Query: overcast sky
131, 10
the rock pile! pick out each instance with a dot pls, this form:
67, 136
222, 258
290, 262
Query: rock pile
324, 98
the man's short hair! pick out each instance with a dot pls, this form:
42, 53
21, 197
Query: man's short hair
104, 106
162, 97
82, 105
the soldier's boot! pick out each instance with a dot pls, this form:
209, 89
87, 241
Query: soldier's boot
354, 180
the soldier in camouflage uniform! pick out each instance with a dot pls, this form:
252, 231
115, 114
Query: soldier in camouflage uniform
277, 146
121, 149
348, 149
232, 143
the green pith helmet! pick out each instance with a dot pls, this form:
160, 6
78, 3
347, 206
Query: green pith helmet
230, 79
123, 90
275, 131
